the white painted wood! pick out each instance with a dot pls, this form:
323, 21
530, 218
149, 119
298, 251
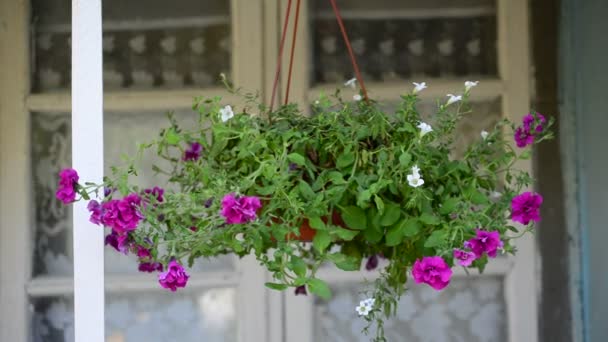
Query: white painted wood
87, 159
128, 100
15, 194
55, 286
522, 283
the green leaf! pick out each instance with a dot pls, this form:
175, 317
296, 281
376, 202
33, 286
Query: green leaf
405, 159
478, 198
373, 234
171, 137
410, 227
316, 223
379, 204
321, 241
437, 238
391, 215
336, 177
346, 262
298, 266
306, 190
354, 217
429, 219
319, 288
449, 206
363, 198
296, 158
276, 286
345, 159
344, 234
394, 236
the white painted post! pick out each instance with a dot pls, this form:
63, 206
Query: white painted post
87, 159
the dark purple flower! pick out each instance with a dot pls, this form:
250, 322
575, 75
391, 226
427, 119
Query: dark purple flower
120, 242
108, 191
532, 126
465, 258
372, 263
208, 202
174, 277
484, 242
526, 207
433, 271
193, 152
143, 253
293, 166
240, 210
96, 211
301, 290
150, 267
66, 191
122, 215
156, 193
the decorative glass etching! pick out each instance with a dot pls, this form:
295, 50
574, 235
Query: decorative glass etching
152, 316
146, 44
471, 309
405, 39
51, 151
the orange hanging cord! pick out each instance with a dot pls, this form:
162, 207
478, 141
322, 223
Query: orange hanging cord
293, 46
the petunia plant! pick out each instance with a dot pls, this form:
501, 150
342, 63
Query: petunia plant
350, 184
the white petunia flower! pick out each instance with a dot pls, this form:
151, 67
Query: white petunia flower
470, 84
453, 99
416, 170
369, 302
415, 180
357, 97
419, 87
226, 113
484, 135
424, 128
362, 309
351, 83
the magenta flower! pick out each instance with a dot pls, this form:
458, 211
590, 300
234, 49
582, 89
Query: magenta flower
66, 191
193, 152
150, 267
120, 242
240, 210
96, 211
174, 277
155, 192
526, 207
532, 126
465, 258
143, 253
372, 263
301, 290
484, 242
433, 271
122, 215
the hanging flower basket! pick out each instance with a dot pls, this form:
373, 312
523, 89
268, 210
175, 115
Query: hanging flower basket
344, 185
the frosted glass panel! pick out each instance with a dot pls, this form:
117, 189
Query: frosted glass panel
471, 309
51, 151
152, 317
146, 44
395, 39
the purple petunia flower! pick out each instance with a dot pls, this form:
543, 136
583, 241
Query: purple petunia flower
120, 242
532, 126
150, 267
301, 290
143, 252
526, 207
122, 215
96, 211
465, 258
156, 192
66, 191
240, 210
193, 152
208, 202
484, 242
433, 271
372, 263
174, 277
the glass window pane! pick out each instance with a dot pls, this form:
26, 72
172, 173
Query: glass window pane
471, 309
51, 151
397, 39
154, 316
146, 44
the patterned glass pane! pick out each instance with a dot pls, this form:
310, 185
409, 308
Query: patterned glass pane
154, 316
400, 39
51, 151
471, 309
146, 43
